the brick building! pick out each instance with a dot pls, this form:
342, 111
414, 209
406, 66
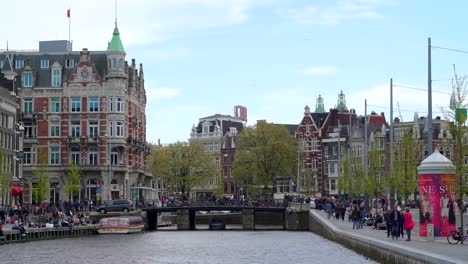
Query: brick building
86, 108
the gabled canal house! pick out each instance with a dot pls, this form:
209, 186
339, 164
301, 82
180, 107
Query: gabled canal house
82, 107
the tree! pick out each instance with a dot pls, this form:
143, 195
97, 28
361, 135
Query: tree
264, 154
4, 179
41, 192
457, 114
404, 178
375, 183
72, 185
182, 165
344, 180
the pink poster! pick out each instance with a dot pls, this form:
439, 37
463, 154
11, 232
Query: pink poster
437, 203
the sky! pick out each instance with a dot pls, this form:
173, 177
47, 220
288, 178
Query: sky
203, 57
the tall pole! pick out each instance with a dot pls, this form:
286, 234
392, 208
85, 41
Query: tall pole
366, 149
429, 98
349, 154
298, 166
110, 169
391, 191
339, 149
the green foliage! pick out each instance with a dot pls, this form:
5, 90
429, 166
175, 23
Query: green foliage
263, 154
405, 177
72, 185
375, 183
41, 192
4, 179
182, 166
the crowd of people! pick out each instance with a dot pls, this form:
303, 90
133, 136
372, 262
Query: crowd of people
397, 220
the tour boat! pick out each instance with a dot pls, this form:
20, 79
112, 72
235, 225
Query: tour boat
121, 225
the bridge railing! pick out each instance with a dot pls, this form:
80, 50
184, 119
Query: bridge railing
225, 203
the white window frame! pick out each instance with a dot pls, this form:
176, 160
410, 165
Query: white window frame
75, 129
73, 106
56, 103
69, 63
75, 155
54, 156
93, 128
27, 156
119, 128
19, 64
120, 103
56, 77
28, 79
28, 105
111, 104
93, 104
93, 155
44, 64
54, 128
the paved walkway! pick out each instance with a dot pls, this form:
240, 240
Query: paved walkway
439, 246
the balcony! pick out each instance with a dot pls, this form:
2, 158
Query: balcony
74, 140
92, 140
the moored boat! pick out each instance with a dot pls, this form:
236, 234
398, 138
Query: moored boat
121, 225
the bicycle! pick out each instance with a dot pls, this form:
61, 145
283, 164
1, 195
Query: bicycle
454, 236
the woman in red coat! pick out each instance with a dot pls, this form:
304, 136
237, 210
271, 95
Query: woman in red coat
408, 224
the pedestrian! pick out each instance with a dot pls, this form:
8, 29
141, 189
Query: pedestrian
388, 223
2, 215
408, 223
395, 218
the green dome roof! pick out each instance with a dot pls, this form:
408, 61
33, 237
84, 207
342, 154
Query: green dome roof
116, 43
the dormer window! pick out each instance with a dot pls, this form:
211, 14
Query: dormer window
56, 75
70, 63
19, 64
206, 129
44, 64
27, 79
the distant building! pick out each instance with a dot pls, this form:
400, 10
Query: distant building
218, 133
9, 139
86, 108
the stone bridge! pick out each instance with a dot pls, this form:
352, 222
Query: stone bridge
291, 219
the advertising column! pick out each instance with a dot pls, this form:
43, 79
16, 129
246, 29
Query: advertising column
437, 195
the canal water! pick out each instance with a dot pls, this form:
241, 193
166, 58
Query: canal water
184, 247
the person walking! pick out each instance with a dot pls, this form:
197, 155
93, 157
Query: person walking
408, 223
395, 218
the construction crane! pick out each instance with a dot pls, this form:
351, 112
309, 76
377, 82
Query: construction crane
399, 112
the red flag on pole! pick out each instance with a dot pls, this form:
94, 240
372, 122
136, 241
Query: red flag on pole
68, 12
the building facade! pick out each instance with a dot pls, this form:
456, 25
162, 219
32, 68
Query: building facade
85, 108
218, 134
10, 168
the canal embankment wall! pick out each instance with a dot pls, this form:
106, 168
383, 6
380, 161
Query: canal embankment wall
375, 249
33, 234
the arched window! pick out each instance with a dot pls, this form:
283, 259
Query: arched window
114, 181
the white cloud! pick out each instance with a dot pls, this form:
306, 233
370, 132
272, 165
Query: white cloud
337, 11
321, 70
161, 93
141, 23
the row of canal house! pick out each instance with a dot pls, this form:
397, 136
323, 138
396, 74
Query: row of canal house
325, 141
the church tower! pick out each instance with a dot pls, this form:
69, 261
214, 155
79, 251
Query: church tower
319, 106
341, 104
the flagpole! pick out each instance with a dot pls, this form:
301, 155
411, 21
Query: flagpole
69, 29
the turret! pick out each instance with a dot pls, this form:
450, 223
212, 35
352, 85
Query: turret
116, 56
319, 106
341, 104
